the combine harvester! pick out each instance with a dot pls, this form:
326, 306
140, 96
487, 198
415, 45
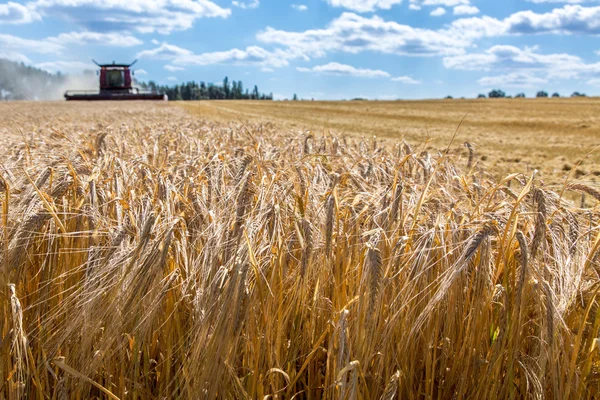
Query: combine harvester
115, 84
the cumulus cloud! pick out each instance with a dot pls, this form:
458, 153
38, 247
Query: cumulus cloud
406, 80
299, 7
15, 13
364, 5
252, 55
17, 48
510, 57
465, 10
518, 63
141, 72
171, 78
570, 19
417, 4
14, 56
353, 33
145, 16
438, 12
334, 68
96, 38
246, 4
165, 51
173, 68
15, 43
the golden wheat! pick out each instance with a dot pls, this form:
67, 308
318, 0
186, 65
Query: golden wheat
172, 257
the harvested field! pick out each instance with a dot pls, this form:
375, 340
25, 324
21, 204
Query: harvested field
510, 135
150, 254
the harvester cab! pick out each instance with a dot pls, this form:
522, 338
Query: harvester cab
115, 84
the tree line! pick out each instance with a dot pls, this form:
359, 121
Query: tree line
500, 94
192, 90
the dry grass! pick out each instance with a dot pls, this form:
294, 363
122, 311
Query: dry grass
550, 135
171, 257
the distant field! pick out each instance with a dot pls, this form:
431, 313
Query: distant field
551, 135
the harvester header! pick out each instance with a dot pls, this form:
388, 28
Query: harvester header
115, 84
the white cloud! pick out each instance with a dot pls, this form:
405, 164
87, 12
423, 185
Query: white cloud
515, 79
594, 82
145, 16
164, 52
471, 29
141, 72
570, 19
252, 55
414, 7
519, 64
446, 3
246, 4
438, 12
14, 56
171, 78
364, 5
465, 10
66, 66
334, 68
406, 80
352, 33
96, 38
15, 43
299, 7
15, 13
173, 68
511, 58
432, 3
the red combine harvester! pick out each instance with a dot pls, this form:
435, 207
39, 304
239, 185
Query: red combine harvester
115, 84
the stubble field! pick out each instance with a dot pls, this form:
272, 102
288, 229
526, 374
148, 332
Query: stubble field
221, 250
512, 135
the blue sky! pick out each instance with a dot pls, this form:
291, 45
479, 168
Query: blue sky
322, 49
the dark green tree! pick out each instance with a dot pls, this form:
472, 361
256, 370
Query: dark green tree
226, 89
496, 94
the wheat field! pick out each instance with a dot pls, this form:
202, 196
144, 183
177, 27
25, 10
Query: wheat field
554, 136
149, 253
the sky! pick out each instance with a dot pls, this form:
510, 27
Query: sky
321, 49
